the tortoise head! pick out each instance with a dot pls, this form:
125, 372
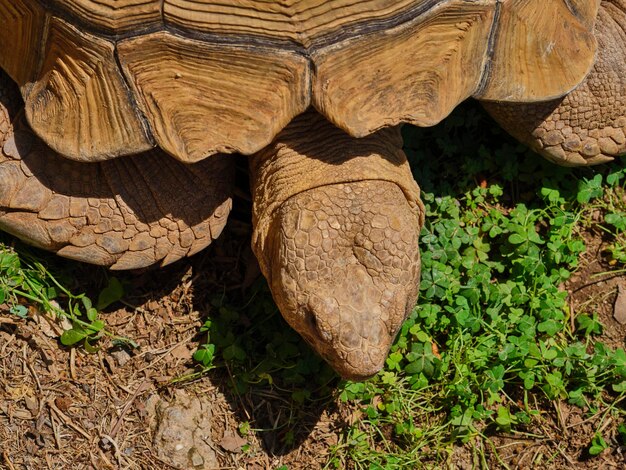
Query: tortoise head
344, 270
336, 226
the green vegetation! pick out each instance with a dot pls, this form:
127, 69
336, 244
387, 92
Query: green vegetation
26, 282
492, 337
491, 345
492, 341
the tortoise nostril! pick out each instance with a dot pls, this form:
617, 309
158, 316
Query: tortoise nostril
311, 320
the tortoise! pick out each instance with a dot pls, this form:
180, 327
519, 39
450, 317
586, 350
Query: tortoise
117, 151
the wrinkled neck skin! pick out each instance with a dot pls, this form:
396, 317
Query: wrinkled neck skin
336, 226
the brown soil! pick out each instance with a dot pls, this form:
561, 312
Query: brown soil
118, 408
122, 408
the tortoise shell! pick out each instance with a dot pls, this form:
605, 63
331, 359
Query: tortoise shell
106, 78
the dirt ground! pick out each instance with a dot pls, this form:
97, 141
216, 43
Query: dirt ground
118, 408
63, 408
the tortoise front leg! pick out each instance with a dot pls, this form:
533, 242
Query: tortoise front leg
336, 226
125, 213
587, 126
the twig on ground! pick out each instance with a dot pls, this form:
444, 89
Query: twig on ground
604, 426
111, 381
165, 352
5, 345
73, 363
117, 453
597, 415
572, 316
55, 430
7, 461
34, 374
144, 386
68, 421
566, 457
106, 460
559, 414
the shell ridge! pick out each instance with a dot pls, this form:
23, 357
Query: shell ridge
493, 37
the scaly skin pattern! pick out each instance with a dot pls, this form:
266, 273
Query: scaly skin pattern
347, 270
125, 213
340, 247
587, 126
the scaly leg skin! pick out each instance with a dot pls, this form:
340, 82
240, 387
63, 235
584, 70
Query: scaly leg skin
126, 213
588, 126
336, 226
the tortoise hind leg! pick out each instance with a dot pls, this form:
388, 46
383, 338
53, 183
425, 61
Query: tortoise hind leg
587, 126
336, 226
125, 213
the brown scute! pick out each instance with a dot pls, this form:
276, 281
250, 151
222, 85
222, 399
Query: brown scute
296, 21
585, 10
206, 98
22, 25
416, 73
80, 104
541, 51
588, 126
112, 16
124, 213
226, 76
